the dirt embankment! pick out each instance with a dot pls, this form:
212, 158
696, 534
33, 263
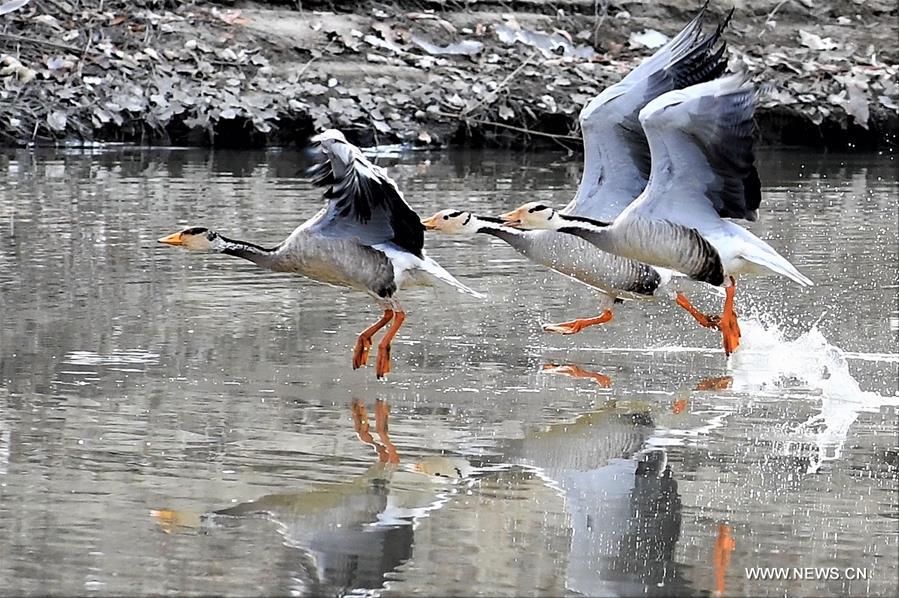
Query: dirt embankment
478, 72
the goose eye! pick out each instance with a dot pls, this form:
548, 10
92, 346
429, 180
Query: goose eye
445, 217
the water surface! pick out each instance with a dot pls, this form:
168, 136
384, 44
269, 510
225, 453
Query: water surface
176, 422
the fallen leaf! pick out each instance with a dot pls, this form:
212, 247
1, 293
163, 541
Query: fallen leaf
648, 38
816, 42
57, 120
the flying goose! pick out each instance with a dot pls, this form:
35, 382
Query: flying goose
366, 238
702, 172
616, 169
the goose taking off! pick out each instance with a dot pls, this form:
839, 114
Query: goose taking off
616, 169
702, 172
366, 238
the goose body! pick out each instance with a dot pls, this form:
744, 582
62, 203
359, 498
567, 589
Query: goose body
366, 238
616, 169
702, 172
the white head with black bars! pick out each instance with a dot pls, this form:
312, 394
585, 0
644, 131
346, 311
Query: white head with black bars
196, 238
452, 222
533, 216
458, 222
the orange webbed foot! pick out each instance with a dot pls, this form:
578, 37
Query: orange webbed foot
363, 343
361, 351
382, 364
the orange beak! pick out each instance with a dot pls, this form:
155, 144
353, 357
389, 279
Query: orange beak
430, 223
173, 239
511, 219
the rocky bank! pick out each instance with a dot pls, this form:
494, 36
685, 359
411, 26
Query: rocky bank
470, 72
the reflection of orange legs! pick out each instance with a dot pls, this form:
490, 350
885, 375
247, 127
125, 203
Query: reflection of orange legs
726, 322
360, 422
363, 343
173, 522
576, 326
383, 362
577, 372
386, 450
724, 545
382, 414
716, 383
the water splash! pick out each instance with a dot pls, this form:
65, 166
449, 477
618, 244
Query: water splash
768, 359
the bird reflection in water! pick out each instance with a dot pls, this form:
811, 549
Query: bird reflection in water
349, 535
576, 371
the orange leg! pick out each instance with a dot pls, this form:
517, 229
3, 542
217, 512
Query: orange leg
383, 363
363, 343
703, 319
728, 325
724, 545
679, 406
577, 372
382, 414
576, 326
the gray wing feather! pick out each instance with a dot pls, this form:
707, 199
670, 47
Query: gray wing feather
363, 203
702, 150
617, 160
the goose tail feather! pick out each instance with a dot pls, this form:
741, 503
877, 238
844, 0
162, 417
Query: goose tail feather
438, 272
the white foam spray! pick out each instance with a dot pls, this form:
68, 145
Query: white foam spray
766, 358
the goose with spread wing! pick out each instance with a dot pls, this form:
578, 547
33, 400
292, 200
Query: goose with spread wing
616, 169
366, 238
703, 171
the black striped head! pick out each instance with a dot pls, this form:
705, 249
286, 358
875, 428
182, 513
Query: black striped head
195, 238
532, 216
452, 222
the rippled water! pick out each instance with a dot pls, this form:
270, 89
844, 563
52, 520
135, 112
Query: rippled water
176, 422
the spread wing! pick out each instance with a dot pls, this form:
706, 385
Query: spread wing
616, 154
363, 203
703, 164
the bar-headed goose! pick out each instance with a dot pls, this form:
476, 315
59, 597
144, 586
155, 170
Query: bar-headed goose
702, 172
366, 238
616, 169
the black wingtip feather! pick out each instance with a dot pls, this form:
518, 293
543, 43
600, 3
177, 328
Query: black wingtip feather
358, 196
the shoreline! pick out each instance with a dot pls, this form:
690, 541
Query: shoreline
249, 75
